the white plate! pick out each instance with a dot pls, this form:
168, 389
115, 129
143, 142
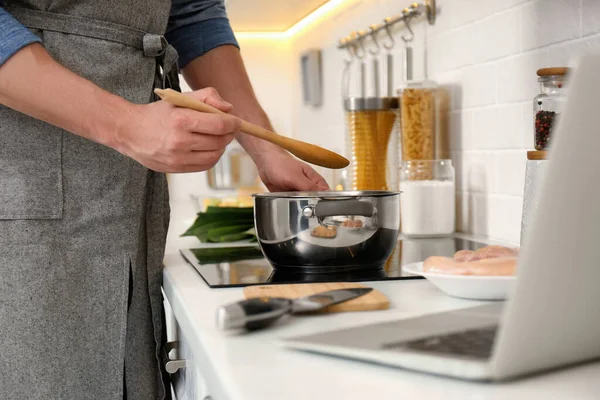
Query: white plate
466, 286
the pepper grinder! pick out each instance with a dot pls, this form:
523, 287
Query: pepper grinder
535, 169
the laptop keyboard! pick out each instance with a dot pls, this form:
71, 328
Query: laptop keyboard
476, 343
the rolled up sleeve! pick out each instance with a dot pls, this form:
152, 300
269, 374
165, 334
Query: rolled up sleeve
198, 26
13, 36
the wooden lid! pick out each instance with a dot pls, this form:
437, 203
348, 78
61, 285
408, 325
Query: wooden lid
552, 71
537, 155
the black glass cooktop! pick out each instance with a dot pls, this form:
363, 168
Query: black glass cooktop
244, 266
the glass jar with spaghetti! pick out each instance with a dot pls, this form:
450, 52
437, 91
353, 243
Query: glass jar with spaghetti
418, 110
371, 141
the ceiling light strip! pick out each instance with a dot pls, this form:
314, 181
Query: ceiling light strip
317, 15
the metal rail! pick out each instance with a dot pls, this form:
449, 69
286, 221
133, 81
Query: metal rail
414, 10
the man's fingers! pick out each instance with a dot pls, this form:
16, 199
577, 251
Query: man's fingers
211, 97
210, 143
315, 186
215, 124
317, 182
212, 124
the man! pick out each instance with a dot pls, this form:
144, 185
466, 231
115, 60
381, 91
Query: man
83, 196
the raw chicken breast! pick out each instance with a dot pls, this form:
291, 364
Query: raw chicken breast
495, 252
464, 255
487, 261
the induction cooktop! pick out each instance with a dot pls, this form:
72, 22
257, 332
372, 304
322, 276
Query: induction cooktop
243, 266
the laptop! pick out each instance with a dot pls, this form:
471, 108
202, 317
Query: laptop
552, 317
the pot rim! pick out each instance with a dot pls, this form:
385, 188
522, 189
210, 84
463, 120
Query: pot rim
328, 194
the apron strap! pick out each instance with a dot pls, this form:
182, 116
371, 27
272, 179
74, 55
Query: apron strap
153, 45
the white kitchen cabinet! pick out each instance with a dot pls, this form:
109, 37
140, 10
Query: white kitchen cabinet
188, 382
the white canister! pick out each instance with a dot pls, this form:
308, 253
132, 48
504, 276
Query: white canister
536, 166
428, 199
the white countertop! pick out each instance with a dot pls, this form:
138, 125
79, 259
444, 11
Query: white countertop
254, 366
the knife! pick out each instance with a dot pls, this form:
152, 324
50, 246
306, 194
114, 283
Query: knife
259, 312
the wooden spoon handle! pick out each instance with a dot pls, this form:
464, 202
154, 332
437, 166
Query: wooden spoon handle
305, 151
180, 100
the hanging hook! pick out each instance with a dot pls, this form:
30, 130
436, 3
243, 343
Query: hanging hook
392, 42
377, 49
360, 36
350, 47
406, 21
360, 40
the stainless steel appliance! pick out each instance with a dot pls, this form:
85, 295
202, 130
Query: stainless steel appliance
318, 232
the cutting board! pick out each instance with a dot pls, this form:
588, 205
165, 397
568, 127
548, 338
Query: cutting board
373, 300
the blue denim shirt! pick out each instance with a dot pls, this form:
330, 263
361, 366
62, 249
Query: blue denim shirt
195, 27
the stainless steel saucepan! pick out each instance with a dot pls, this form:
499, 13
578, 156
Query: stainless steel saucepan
322, 232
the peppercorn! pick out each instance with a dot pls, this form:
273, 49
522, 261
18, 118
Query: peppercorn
543, 127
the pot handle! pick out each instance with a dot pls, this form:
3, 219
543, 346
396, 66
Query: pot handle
343, 207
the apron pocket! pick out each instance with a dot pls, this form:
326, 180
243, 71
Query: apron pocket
30, 168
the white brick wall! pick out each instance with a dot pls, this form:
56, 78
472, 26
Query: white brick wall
485, 53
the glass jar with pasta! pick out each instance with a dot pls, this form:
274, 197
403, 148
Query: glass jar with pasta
418, 109
372, 144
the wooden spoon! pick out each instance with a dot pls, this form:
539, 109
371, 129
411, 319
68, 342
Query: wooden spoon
308, 152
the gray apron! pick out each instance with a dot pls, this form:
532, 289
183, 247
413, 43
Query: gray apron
82, 227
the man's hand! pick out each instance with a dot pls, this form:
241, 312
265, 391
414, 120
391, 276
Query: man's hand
281, 172
165, 138
223, 69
